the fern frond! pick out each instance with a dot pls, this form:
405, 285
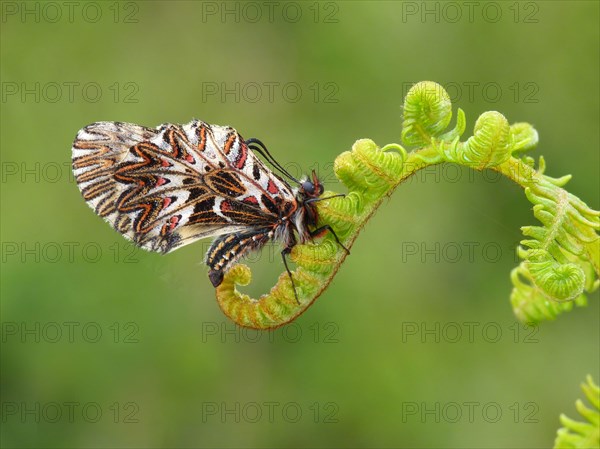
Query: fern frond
582, 435
561, 258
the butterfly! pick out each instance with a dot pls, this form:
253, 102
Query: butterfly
168, 186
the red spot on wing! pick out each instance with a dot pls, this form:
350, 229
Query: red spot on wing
242, 156
250, 200
272, 188
190, 159
225, 206
166, 202
173, 221
165, 163
160, 182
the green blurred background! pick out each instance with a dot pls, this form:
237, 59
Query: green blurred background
168, 369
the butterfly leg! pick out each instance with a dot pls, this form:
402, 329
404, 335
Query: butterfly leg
284, 253
324, 230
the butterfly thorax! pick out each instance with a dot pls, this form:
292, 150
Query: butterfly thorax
306, 216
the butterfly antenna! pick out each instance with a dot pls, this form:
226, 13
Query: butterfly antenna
257, 145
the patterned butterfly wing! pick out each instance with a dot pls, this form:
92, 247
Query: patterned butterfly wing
166, 187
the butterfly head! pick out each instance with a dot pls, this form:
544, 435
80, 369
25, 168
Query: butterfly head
311, 187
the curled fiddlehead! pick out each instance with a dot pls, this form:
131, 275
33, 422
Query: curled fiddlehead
560, 258
582, 435
369, 173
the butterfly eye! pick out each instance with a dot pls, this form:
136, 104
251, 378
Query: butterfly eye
308, 187
320, 190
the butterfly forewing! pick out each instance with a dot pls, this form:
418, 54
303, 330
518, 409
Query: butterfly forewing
169, 186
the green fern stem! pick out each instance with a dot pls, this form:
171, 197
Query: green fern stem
560, 260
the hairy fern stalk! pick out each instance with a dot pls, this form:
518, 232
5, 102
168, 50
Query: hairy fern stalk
560, 258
